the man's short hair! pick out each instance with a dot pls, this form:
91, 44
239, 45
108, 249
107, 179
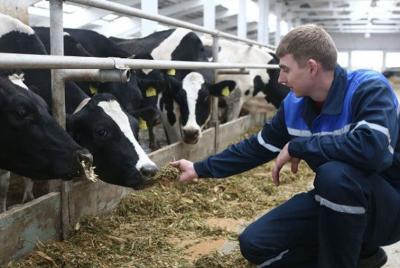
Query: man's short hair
309, 41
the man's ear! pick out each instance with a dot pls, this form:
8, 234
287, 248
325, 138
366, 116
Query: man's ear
313, 66
222, 88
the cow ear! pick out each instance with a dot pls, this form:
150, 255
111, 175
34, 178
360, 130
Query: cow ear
259, 85
223, 88
174, 85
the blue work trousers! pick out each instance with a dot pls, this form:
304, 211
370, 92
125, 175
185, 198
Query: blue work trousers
348, 214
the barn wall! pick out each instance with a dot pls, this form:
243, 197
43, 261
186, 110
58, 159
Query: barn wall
354, 41
22, 226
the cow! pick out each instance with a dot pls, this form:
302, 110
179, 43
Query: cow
32, 143
248, 85
186, 103
138, 97
98, 123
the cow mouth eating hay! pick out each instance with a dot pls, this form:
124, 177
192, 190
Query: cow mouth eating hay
88, 169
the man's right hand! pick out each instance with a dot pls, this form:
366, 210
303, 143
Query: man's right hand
187, 170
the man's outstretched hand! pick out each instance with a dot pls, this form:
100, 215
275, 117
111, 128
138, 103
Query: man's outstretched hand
281, 160
187, 170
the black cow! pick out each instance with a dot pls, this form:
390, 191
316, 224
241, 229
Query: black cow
189, 90
138, 97
119, 160
32, 143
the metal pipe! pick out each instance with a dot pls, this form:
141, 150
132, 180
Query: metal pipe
58, 104
130, 11
32, 61
120, 76
214, 115
234, 72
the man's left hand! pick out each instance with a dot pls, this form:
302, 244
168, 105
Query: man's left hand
281, 160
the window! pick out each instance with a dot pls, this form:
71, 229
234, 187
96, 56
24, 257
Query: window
343, 59
392, 59
367, 59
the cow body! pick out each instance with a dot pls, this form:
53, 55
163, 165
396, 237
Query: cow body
134, 95
188, 91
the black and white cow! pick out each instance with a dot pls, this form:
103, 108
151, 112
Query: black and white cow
248, 85
32, 143
138, 97
98, 123
185, 105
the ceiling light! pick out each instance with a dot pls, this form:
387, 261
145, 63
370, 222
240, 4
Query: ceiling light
367, 35
110, 17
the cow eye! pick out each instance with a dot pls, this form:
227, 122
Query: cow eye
22, 112
102, 132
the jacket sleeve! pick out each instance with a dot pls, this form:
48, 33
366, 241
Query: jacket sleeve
373, 132
248, 153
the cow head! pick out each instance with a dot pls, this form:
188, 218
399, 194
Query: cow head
274, 91
110, 134
32, 143
192, 94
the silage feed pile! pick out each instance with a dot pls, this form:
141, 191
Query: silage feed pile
172, 224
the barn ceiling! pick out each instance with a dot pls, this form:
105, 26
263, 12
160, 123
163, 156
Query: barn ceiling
350, 16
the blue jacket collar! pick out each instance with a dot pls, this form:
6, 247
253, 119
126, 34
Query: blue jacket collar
334, 102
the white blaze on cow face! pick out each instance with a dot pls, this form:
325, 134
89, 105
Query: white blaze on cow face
192, 83
18, 79
113, 109
168, 45
10, 24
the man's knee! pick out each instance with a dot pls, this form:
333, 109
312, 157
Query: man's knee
336, 181
331, 176
251, 248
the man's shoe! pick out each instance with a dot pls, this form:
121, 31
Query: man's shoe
376, 260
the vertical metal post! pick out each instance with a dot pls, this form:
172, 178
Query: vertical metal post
263, 27
384, 61
149, 26
278, 13
209, 14
58, 101
242, 19
214, 114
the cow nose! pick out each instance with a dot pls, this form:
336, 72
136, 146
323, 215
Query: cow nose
148, 171
84, 155
191, 136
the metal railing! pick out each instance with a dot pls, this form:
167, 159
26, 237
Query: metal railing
131, 11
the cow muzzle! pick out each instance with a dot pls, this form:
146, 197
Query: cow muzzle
85, 159
191, 136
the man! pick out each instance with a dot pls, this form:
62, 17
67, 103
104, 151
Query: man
345, 126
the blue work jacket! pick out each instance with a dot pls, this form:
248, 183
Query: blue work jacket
358, 124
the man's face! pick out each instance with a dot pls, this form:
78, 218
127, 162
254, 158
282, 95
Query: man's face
296, 77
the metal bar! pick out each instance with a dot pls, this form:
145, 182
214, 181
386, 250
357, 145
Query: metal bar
58, 103
121, 76
130, 11
214, 115
32, 61
234, 72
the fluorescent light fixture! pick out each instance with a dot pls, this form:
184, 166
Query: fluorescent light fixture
110, 17
67, 8
42, 4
